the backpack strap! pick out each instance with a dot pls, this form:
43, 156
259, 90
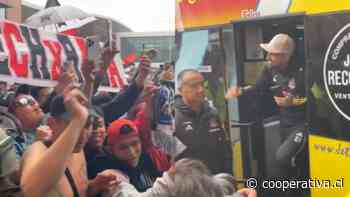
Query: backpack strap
71, 182
69, 176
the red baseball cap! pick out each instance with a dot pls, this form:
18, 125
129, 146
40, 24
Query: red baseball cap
121, 129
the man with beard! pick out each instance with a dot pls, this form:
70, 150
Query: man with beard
285, 81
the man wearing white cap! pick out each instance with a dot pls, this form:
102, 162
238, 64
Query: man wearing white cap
285, 81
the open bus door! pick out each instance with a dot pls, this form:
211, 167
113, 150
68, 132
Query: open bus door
327, 39
323, 47
258, 116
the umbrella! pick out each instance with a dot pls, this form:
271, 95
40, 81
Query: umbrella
52, 3
55, 15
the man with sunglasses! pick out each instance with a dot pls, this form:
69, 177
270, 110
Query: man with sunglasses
198, 126
71, 122
30, 115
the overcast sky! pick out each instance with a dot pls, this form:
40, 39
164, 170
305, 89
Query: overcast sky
139, 15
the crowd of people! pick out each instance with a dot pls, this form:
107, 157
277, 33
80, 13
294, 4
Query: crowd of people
73, 140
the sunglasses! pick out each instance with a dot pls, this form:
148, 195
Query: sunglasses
25, 101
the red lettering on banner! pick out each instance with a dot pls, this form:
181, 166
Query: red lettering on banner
55, 49
112, 70
118, 63
119, 77
83, 47
115, 75
19, 67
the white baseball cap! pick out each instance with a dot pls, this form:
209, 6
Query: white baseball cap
280, 43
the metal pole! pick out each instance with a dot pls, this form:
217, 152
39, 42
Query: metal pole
56, 28
110, 32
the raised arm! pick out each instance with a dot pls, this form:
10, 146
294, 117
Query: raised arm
89, 72
106, 59
125, 100
35, 180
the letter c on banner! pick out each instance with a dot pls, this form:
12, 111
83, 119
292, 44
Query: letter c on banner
12, 34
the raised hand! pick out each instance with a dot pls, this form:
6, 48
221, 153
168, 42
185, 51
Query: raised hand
89, 70
143, 70
75, 102
107, 57
149, 92
64, 80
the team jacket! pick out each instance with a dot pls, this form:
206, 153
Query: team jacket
290, 83
203, 135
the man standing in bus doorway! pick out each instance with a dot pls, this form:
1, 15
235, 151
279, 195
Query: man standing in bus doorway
286, 83
197, 125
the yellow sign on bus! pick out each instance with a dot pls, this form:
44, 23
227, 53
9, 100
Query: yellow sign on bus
329, 167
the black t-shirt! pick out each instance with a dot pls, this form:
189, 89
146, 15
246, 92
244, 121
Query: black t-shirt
142, 176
